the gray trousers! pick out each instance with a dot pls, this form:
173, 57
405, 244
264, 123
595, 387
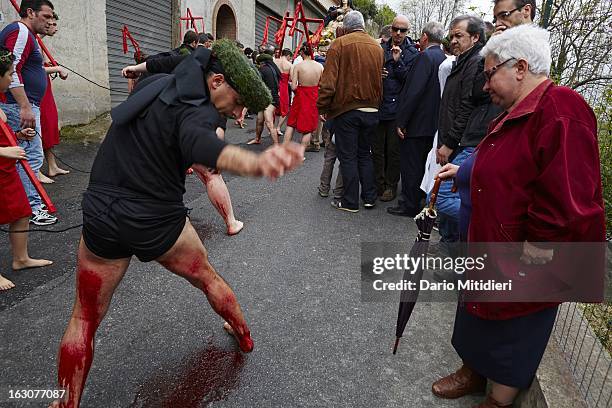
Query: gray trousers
329, 160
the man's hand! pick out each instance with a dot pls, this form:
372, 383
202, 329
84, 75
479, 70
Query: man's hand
13, 152
27, 117
279, 159
385, 73
396, 52
323, 118
401, 133
442, 155
130, 72
26, 134
63, 74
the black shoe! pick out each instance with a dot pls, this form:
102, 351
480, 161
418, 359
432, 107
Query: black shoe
400, 211
337, 204
369, 206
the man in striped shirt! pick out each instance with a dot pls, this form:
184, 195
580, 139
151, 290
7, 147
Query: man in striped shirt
29, 84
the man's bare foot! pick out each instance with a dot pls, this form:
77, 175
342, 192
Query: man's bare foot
30, 263
5, 284
254, 141
235, 228
245, 343
56, 171
44, 179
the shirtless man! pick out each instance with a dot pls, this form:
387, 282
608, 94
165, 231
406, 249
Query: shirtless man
304, 115
284, 65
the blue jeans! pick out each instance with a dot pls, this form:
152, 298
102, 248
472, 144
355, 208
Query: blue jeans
354, 131
448, 204
33, 150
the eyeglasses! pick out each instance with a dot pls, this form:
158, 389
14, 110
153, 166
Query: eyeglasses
504, 14
488, 73
401, 30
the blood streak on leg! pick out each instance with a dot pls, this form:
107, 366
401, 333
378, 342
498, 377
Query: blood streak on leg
89, 286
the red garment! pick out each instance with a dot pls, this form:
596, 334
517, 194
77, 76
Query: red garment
49, 119
542, 159
304, 115
283, 93
14, 203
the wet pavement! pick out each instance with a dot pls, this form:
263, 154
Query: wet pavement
296, 271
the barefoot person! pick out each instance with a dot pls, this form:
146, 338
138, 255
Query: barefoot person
304, 115
283, 62
271, 77
134, 202
218, 194
14, 206
48, 114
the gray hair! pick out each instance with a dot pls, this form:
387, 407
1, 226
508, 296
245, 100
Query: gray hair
526, 41
435, 32
475, 25
353, 21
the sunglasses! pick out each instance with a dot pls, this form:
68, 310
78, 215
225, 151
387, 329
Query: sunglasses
488, 73
401, 30
504, 14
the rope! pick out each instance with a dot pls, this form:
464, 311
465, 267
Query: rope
93, 82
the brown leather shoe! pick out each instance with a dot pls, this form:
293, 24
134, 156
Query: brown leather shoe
460, 383
388, 195
491, 403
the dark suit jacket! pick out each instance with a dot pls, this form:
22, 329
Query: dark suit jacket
420, 98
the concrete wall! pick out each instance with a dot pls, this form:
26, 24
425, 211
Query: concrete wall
81, 45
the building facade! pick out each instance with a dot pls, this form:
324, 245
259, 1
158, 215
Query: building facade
90, 41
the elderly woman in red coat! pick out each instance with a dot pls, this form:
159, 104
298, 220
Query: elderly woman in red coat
534, 178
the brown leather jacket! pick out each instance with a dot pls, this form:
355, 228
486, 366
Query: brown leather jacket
352, 78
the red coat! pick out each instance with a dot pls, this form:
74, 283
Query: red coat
537, 177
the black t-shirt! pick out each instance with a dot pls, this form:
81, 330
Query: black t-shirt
150, 155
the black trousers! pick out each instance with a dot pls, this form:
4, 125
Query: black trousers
354, 130
413, 155
386, 155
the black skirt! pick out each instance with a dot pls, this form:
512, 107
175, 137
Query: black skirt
505, 351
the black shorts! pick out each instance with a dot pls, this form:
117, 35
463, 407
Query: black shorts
118, 224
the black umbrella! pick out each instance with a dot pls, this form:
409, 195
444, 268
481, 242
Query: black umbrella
425, 222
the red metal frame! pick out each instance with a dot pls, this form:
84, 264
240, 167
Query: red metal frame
8, 135
190, 19
125, 32
300, 17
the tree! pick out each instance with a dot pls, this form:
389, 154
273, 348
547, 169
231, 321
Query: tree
581, 47
420, 12
384, 16
367, 7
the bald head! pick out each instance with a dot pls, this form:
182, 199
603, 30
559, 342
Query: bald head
399, 29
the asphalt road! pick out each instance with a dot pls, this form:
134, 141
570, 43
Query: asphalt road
296, 271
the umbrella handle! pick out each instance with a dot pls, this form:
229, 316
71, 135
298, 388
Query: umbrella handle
434, 194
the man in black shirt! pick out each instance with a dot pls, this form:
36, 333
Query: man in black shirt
215, 185
133, 204
271, 77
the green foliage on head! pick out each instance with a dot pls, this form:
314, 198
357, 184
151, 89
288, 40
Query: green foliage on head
242, 75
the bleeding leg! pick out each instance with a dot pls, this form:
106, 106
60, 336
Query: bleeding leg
188, 258
218, 194
97, 279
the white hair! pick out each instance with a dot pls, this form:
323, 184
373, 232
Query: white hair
526, 41
353, 21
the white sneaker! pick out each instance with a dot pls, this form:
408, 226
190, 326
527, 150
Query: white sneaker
41, 217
